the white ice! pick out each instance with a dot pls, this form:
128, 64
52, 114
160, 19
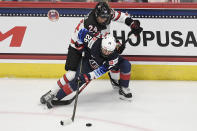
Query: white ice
156, 106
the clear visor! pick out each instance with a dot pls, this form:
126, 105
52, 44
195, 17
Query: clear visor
106, 52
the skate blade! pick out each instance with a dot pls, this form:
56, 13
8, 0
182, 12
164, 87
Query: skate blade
125, 99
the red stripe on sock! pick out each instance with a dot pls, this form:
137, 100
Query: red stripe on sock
113, 71
125, 76
65, 79
67, 89
59, 84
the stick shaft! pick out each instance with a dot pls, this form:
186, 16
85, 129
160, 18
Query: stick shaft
77, 93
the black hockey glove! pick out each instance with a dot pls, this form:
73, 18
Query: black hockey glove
135, 28
83, 78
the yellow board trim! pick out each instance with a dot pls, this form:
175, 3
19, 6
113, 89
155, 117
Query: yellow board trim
139, 72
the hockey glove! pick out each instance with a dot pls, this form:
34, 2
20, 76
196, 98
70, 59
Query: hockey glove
81, 35
135, 28
84, 78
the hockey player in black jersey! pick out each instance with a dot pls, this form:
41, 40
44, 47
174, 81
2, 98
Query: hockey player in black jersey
100, 56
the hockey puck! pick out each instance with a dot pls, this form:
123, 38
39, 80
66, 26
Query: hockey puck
88, 124
61, 123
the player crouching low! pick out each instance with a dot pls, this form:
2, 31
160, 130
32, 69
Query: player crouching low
101, 55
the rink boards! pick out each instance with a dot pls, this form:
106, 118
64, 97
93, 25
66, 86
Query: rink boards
34, 39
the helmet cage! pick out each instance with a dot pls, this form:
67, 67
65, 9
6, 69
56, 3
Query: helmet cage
103, 10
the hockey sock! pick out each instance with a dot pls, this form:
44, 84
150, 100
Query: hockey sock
115, 74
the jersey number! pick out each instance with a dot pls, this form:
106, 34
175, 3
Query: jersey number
93, 29
87, 38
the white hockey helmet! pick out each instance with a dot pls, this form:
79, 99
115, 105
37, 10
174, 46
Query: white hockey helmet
108, 45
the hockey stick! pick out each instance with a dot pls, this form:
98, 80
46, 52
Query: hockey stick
69, 121
115, 83
69, 101
77, 94
128, 36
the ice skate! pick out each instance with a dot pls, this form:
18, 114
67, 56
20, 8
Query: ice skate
49, 102
46, 97
125, 94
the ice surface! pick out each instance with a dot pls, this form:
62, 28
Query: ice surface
156, 106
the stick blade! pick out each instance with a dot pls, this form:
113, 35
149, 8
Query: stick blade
65, 122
